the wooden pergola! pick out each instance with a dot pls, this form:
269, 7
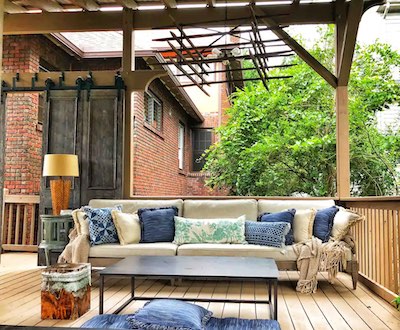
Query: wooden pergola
52, 16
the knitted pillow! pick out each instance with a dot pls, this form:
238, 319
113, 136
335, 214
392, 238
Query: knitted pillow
284, 216
267, 233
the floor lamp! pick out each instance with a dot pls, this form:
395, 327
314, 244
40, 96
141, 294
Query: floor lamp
61, 166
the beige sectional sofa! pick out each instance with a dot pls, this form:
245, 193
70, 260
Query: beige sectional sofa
102, 255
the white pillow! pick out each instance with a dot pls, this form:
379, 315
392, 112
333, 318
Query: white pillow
303, 223
128, 227
343, 221
81, 221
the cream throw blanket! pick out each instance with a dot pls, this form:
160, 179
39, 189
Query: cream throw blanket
313, 256
77, 250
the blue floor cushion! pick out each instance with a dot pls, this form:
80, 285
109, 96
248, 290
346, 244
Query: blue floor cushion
112, 321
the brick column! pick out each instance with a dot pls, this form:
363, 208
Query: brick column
23, 140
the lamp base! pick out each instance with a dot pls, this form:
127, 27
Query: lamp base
60, 190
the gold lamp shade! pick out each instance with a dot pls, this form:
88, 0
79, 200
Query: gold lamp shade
61, 165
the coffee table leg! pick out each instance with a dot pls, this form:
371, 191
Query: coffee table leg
132, 287
101, 295
275, 299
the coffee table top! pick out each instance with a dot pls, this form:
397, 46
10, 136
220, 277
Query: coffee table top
195, 266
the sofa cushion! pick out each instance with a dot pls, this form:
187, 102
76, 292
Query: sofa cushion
267, 233
170, 314
211, 209
128, 227
189, 230
283, 216
81, 222
237, 250
303, 223
323, 223
133, 205
141, 249
157, 224
275, 205
242, 250
101, 227
343, 221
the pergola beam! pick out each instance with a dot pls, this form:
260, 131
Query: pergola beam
130, 4
349, 39
310, 13
46, 5
302, 53
170, 3
12, 8
90, 5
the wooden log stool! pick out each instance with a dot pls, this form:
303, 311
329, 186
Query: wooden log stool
65, 291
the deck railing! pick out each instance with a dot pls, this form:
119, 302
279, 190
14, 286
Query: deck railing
377, 242
19, 222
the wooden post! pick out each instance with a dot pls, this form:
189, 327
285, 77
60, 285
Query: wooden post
342, 112
342, 143
2, 125
128, 65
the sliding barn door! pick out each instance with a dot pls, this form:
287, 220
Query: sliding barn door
90, 127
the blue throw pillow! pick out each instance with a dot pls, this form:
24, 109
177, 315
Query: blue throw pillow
284, 216
101, 226
323, 223
266, 233
170, 314
157, 224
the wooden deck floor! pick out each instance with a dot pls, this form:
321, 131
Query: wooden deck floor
332, 307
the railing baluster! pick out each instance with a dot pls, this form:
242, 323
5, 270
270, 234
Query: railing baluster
25, 224
33, 224
9, 221
17, 223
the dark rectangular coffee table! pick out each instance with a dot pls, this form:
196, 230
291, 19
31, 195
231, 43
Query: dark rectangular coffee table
188, 267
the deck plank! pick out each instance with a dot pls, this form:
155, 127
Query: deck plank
314, 314
333, 306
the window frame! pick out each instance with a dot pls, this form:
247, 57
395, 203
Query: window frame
196, 151
150, 96
181, 145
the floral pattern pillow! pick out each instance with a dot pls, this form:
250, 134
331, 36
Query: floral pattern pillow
210, 230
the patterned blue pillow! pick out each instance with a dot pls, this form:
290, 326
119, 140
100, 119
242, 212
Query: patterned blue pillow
323, 223
157, 224
284, 216
170, 314
266, 233
101, 226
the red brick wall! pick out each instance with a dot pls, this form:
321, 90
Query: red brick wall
23, 140
155, 164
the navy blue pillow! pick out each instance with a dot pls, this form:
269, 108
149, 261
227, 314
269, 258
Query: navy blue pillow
157, 224
284, 216
168, 314
323, 223
266, 233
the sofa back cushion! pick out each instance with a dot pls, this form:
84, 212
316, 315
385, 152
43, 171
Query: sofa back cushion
280, 205
210, 209
132, 205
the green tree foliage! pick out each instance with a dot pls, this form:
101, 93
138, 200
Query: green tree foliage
283, 141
